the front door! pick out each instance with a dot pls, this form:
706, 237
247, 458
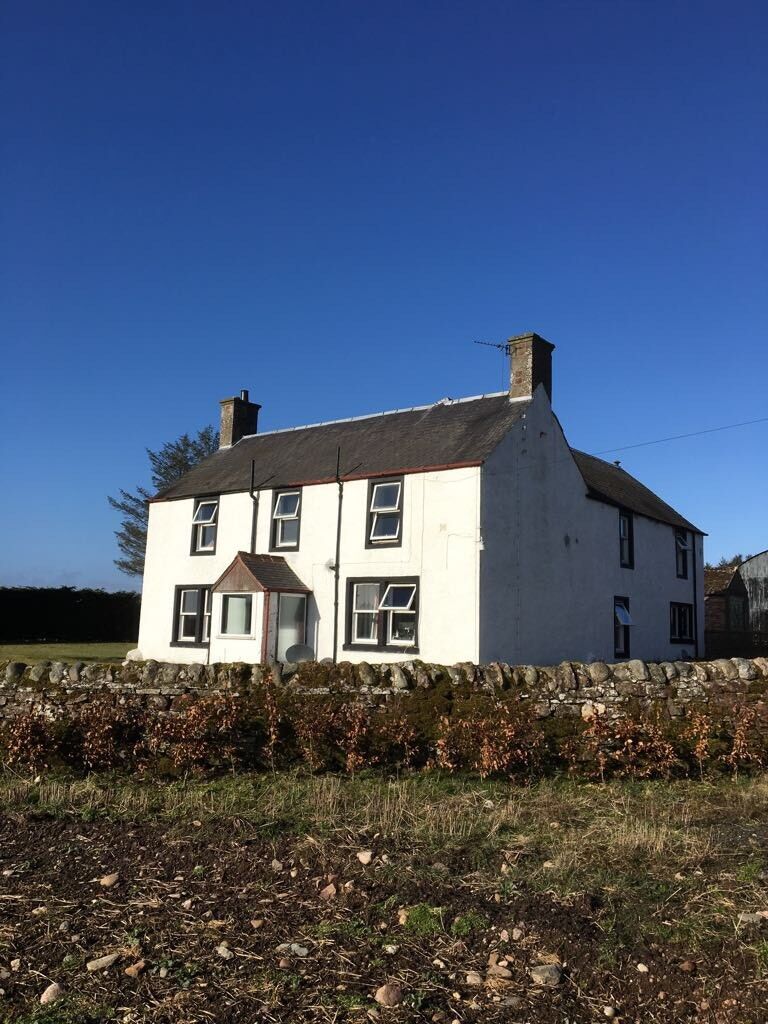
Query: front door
291, 622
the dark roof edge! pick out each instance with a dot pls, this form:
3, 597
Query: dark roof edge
331, 480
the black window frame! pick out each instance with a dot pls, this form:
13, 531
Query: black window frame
674, 612
374, 482
196, 527
274, 523
630, 563
198, 642
682, 553
381, 645
626, 653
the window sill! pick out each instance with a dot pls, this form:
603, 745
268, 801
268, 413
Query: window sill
234, 636
681, 640
196, 554
189, 643
381, 649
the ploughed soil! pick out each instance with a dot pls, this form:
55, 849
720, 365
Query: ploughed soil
203, 908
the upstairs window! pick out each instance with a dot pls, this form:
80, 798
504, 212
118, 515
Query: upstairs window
383, 614
192, 617
680, 623
286, 520
682, 548
626, 540
385, 514
622, 623
204, 523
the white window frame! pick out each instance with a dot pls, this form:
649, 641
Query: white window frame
682, 553
181, 637
199, 525
373, 612
388, 510
207, 608
237, 636
278, 518
201, 616
624, 623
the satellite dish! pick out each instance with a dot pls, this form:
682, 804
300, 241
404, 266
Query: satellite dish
300, 652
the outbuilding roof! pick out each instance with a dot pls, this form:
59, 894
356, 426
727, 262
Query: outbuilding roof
448, 434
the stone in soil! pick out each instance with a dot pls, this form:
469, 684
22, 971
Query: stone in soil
102, 962
389, 995
51, 994
547, 975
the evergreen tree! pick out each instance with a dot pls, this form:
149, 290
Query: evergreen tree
168, 464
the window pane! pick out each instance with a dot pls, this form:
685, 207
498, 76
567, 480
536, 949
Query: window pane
288, 530
365, 626
206, 537
189, 600
398, 597
236, 614
366, 597
287, 505
622, 614
386, 497
188, 627
290, 622
206, 512
403, 628
386, 526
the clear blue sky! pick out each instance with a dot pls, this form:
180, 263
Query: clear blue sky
326, 203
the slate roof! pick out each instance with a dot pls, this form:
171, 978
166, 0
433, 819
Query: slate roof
447, 434
614, 485
268, 572
434, 436
718, 579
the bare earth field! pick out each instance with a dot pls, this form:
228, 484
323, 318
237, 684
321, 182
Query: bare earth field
294, 898
69, 653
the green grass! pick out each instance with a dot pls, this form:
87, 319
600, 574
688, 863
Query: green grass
30, 653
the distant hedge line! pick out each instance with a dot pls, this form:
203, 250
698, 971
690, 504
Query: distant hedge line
68, 615
485, 734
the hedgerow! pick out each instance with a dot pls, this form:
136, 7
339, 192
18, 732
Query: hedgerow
272, 728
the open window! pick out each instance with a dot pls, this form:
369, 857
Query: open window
622, 623
385, 513
204, 525
191, 616
682, 549
286, 520
383, 614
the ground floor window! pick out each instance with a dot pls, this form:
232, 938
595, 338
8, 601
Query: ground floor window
622, 623
192, 616
382, 614
680, 623
236, 614
291, 623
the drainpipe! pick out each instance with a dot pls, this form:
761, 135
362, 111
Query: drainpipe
337, 559
255, 492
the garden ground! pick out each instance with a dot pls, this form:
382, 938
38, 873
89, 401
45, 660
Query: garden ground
290, 897
68, 653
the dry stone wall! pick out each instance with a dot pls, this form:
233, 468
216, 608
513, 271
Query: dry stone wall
568, 689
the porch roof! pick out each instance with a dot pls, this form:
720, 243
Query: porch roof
248, 572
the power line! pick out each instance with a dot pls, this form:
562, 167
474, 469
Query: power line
679, 437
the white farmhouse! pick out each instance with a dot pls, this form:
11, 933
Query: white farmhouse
467, 530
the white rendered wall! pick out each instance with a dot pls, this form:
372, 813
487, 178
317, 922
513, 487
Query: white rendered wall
550, 561
439, 545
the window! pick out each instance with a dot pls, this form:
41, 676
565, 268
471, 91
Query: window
191, 617
682, 548
236, 614
204, 526
385, 513
626, 540
680, 623
622, 621
383, 614
291, 622
286, 513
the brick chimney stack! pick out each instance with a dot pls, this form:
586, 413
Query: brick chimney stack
530, 364
239, 417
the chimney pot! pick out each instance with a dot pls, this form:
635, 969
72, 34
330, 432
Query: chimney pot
239, 418
530, 358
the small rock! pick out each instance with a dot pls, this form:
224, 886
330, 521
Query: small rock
517, 934
257, 923
135, 969
548, 864
389, 995
298, 950
642, 968
402, 916
474, 978
15, 964
102, 962
51, 994
365, 856
109, 880
548, 975
277, 866
749, 921
224, 951
497, 971
187, 904
328, 893
163, 972
609, 1012
39, 911
391, 949
688, 967
283, 963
